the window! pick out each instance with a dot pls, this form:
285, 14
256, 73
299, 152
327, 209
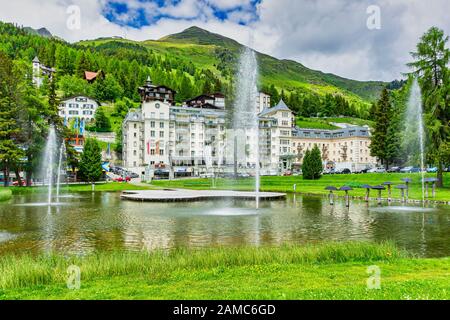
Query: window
152, 134
152, 115
161, 115
161, 134
135, 125
135, 135
134, 152
152, 152
161, 125
161, 152
152, 124
157, 106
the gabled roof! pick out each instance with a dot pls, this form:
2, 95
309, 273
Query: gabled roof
89, 75
281, 106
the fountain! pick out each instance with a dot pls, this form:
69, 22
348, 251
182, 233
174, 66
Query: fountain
414, 129
62, 152
245, 116
48, 162
49, 165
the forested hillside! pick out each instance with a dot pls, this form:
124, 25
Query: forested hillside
192, 62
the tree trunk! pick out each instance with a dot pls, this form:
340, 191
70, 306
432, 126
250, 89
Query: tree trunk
6, 177
19, 179
440, 176
29, 173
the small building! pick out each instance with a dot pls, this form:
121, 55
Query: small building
40, 72
150, 92
81, 107
207, 101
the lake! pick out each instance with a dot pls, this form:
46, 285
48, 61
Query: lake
102, 221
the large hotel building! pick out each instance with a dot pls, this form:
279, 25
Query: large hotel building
194, 136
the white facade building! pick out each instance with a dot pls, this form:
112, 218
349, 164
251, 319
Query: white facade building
80, 107
193, 138
263, 101
40, 72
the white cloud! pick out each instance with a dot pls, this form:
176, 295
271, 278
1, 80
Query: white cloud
330, 36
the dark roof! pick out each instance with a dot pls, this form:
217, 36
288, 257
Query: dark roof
281, 106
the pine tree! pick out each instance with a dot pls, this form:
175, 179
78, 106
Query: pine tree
91, 162
431, 67
312, 164
10, 152
102, 122
380, 140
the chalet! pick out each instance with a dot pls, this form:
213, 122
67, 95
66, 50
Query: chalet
150, 92
80, 107
212, 101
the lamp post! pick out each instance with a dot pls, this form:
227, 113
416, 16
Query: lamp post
331, 195
389, 185
347, 197
407, 181
380, 189
367, 187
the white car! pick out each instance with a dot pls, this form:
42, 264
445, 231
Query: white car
373, 170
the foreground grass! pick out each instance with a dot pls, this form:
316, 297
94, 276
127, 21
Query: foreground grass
99, 187
286, 184
326, 271
5, 194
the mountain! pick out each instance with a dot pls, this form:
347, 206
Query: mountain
220, 54
43, 32
292, 70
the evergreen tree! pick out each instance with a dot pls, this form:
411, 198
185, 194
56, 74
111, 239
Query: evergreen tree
10, 152
312, 164
385, 144
102, 122
91, 162
431, 67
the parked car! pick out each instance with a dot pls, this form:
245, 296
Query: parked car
373, 170
120, 179
346, 171
415, 170
394, 170
24, 183
406, 169
287, 173
432, 170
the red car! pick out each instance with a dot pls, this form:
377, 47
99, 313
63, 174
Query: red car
24, 183
120, 179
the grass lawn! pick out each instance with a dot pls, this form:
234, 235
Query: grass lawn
326, 271
99, 187
285, 184
5, 194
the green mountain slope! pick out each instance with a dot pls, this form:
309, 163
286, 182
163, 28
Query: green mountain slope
220, 54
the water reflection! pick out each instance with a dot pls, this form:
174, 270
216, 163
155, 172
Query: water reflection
93, 222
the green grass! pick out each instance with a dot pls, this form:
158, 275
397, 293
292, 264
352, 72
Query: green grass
354, 121
325, 271
285, 184
5, 194
99, 187
308, 123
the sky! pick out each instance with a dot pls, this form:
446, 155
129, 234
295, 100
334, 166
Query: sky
357, 39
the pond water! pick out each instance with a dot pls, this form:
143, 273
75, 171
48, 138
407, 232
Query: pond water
102, 221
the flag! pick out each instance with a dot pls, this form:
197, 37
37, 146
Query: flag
65, 121
108, 150
148, 148
157, 147
82, 127
75, 126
